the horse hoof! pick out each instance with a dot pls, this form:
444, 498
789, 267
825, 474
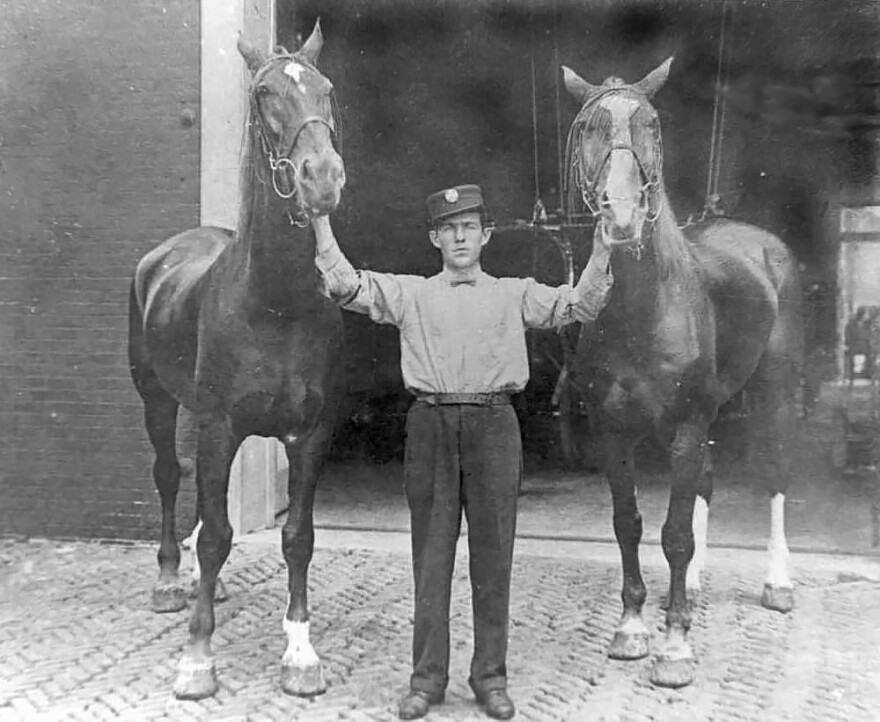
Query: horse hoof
168, 598
628, 646
303, 681
779, 599
674, 673
195, 679
220, 593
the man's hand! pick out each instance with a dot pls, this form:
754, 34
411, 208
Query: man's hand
323, 233
601, 250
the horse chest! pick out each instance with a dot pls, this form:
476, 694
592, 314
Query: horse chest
266, 366
648, 379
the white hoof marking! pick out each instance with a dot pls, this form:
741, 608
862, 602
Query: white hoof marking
299, 652
701, 529
777, 547
632, 626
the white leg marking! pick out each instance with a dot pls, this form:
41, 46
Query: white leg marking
632, 626
777, 548
190, 543
299, 652
701, 528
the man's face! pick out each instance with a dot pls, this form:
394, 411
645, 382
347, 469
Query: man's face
460, 239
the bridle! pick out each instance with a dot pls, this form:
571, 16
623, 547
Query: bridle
578, 177
278, 160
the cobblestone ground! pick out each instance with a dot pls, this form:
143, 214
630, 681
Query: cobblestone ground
78, 640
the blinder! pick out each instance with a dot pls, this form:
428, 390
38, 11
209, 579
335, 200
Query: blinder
580, 178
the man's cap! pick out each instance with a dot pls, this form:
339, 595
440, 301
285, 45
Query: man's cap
455, 200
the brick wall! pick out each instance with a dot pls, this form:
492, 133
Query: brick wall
97, 162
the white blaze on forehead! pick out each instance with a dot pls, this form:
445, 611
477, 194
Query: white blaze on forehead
621, 165
621, 109
294, 70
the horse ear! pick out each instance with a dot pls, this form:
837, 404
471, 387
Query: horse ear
253, 57
311, 48
577, 86
654, 80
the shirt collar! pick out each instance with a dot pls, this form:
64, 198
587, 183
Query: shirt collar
471, 278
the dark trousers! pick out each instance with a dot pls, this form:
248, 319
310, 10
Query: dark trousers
462, 458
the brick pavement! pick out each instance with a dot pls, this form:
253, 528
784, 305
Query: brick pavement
78, 641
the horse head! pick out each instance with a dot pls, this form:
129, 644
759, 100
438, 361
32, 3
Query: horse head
291, 114
615, 153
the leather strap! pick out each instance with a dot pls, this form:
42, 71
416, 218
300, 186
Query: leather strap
494, 399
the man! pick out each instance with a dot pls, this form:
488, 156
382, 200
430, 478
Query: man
463, 353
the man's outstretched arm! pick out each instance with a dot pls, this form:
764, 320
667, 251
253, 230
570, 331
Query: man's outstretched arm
549, 307
381, 296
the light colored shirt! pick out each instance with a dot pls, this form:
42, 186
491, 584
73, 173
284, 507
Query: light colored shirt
463, 337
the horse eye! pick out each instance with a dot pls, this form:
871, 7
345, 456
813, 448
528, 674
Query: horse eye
262, 91
605, 199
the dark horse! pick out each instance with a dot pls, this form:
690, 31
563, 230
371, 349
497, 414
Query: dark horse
691, 320
235, 327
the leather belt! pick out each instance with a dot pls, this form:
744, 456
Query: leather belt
494, 399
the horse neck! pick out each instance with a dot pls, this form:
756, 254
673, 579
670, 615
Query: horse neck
278, 257
646, 281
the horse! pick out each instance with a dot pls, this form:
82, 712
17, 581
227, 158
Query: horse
693, 317
236, 328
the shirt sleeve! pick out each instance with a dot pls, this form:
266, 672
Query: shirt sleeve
381, 296
553, 307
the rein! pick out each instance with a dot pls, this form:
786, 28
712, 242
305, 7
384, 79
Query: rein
277, 160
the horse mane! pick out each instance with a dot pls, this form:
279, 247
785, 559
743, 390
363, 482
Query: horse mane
671, 247
250, 177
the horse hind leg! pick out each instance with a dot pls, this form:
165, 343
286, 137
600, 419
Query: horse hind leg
191, 544
160, 416
700, 524
776, 427
630, 639
160, 419
301, 671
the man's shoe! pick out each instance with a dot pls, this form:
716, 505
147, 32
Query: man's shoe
496, 704
415, 704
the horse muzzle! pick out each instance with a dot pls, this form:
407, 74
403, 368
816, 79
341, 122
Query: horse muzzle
320, 182
616, 235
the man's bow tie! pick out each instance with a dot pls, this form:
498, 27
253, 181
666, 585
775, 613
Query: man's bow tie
463, 282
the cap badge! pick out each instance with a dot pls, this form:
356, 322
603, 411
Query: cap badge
451, 195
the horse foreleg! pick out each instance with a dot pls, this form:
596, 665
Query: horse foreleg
196, 677
631, 636
301, 671
674, 665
